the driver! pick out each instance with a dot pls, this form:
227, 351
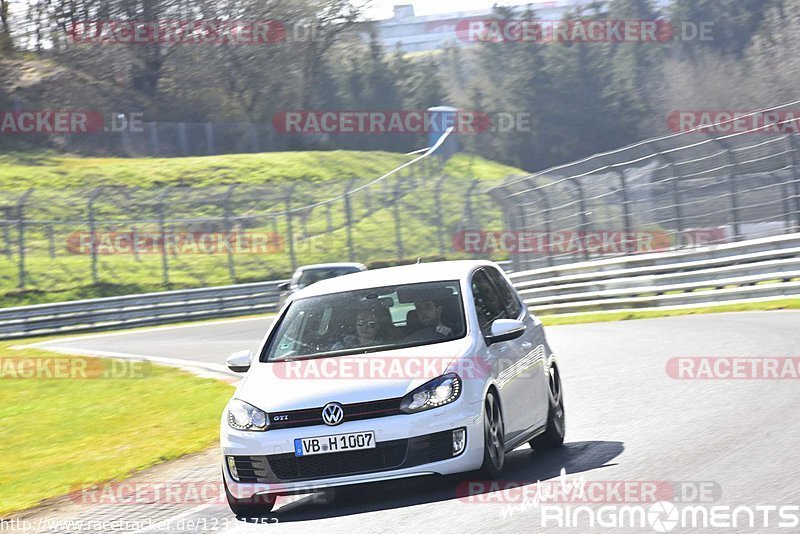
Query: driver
368, 332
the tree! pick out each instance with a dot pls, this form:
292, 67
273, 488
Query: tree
6, 43
635, 75
580, 121
773, 57
735, 22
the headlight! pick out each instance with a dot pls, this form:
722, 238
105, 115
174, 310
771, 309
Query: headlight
437, 392
243, 416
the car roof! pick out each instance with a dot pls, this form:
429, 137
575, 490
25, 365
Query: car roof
407, 274
359, 266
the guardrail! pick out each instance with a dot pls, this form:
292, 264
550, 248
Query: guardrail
143, 310
749, 270
678, 186
139, 310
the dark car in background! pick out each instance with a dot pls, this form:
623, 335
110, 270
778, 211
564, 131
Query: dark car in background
309, 274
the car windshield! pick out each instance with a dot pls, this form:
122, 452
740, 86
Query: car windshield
368, 320
311, 276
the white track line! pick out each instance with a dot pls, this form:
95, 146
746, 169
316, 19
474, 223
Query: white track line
189, 365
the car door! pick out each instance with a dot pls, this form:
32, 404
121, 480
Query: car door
502, 357
532, 347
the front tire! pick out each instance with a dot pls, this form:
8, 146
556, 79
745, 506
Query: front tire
256, 506
494, 453
553, 435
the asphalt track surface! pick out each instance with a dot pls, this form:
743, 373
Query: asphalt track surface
627, 420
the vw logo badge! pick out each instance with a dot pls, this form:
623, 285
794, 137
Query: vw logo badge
332, 414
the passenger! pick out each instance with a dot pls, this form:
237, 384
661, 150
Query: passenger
429, 313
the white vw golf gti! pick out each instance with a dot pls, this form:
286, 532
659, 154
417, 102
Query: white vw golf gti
425, 369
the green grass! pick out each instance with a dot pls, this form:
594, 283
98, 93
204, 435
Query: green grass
21, 170
73, 432
63, 184
604, 317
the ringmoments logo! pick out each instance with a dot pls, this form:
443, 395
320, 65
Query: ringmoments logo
556, 500
664, 516
657, 506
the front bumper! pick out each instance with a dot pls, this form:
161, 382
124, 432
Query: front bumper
412, 445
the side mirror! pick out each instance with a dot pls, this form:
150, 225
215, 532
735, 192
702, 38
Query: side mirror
505, 330
284, 286
239, 362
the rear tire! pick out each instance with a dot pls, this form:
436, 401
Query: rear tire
553, 435
494, 453
256, 506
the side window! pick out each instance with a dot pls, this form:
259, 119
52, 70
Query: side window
488, 304
507, 294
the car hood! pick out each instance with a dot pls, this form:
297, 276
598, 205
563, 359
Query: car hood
312, 383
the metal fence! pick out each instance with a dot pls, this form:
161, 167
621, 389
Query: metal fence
682, 190
674, 192
114, 313
184, 139
126, 134
147, 239
759, 269
167, 139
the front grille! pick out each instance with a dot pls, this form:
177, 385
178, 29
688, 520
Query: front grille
387, 455
367, 410
352, 412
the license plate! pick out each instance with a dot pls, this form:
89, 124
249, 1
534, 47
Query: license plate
338, 443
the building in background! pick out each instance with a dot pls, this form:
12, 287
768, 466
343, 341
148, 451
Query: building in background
411, 33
